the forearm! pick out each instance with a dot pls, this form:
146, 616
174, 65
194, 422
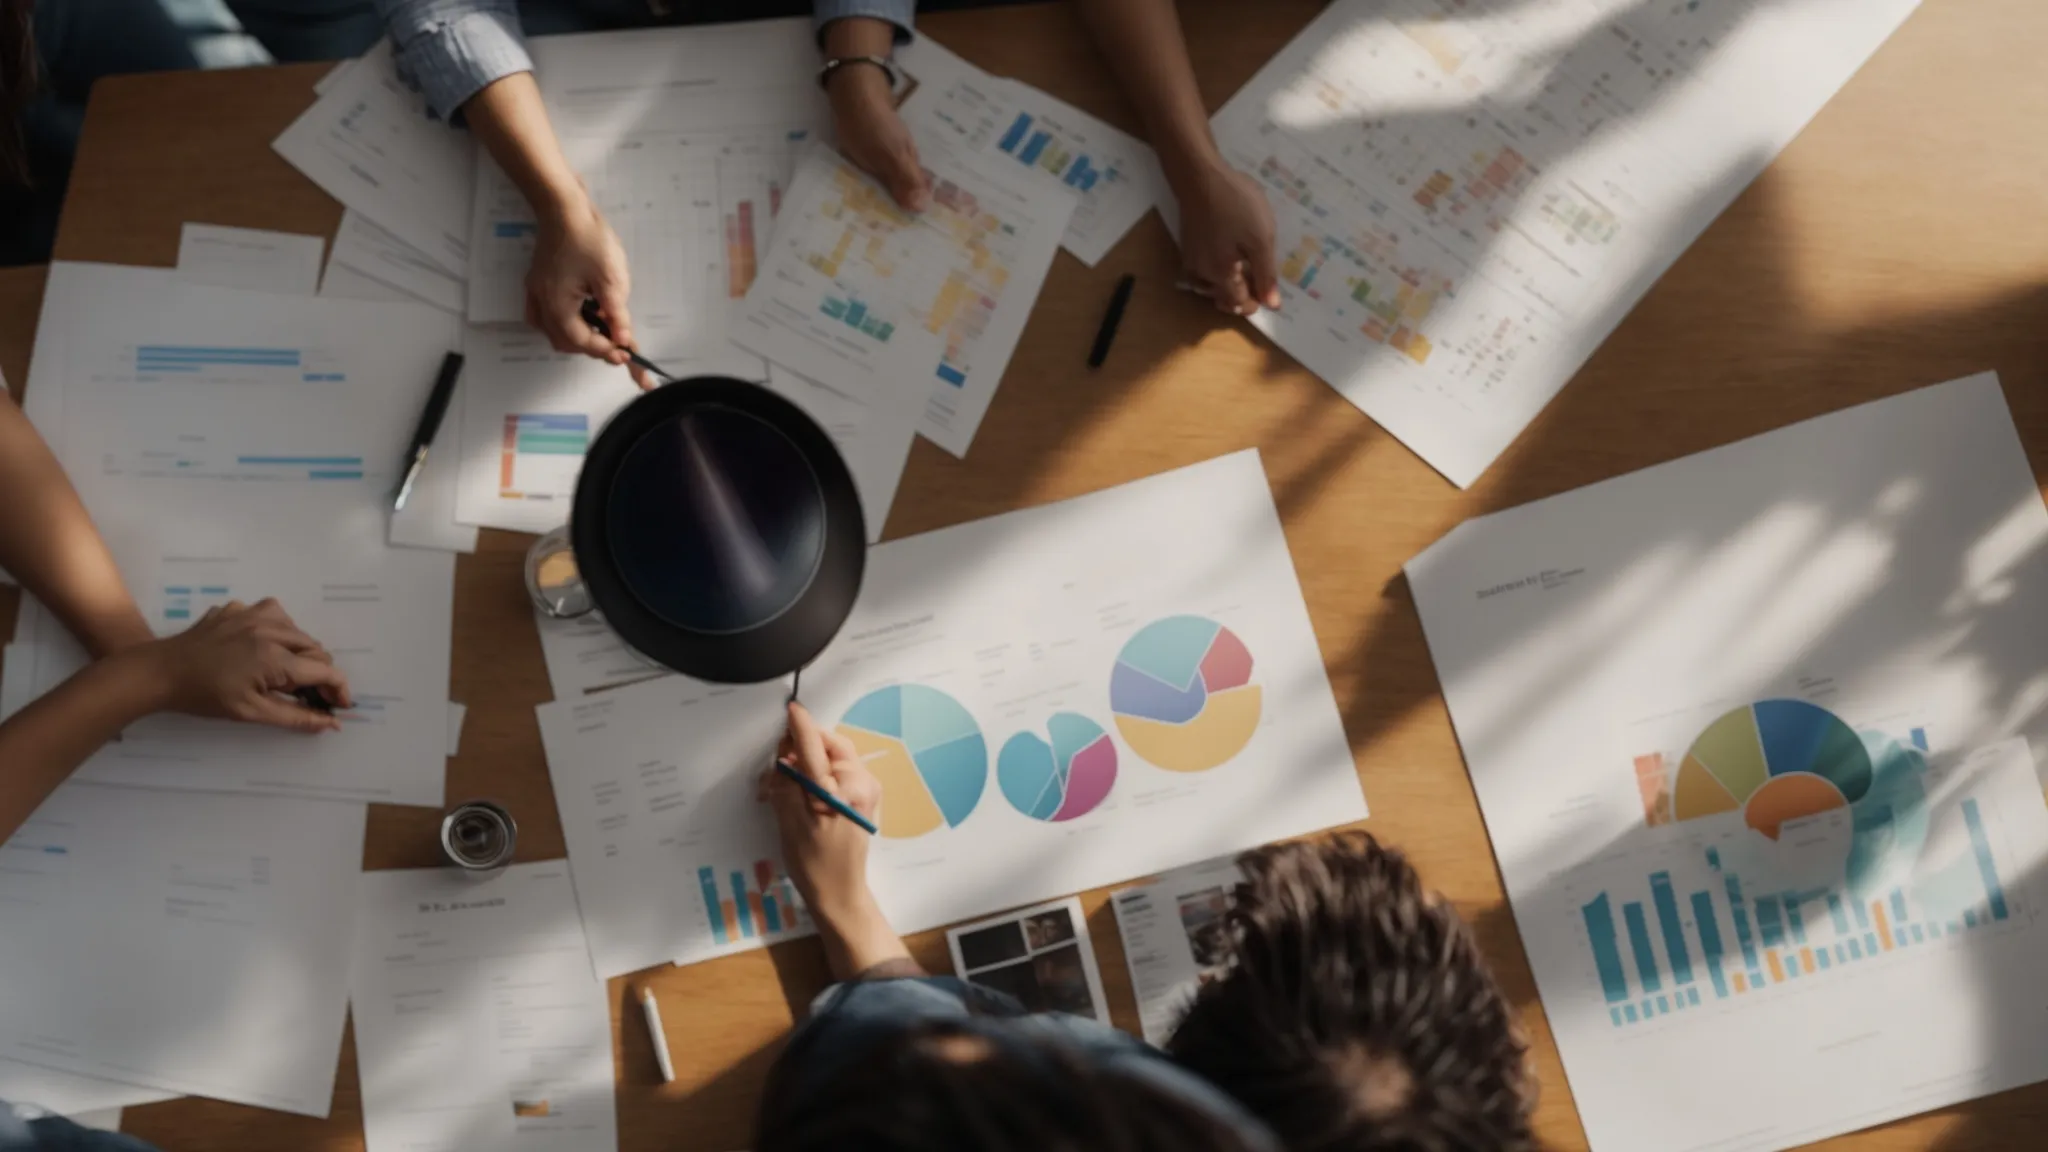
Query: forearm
511, 122
1142, 41
47, 540
45, 741
858, 938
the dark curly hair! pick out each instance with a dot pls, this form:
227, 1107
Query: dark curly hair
1359, 1015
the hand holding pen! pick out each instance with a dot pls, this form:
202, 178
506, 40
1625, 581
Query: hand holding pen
827, 807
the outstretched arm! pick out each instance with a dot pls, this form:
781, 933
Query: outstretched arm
1226, 231
47, 540
232, 665
827, 854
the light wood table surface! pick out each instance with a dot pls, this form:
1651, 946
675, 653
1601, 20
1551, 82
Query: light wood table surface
1901, 241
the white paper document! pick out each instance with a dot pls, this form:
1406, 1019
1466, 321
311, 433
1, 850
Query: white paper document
1469, 202
368, 251
864, 298
1114, 176
193, 944
249, 258
1041, 956
1754, 733
69, 1094
584, 655
236, 446
370, 143
479, 1027
1054, 699
1176, 939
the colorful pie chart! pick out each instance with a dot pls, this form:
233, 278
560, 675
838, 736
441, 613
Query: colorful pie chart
1061, 775
927, 751
1183, 695
1775, 761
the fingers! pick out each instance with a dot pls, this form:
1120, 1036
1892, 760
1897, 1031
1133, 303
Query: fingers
1231, 293
811, 759
1264, 271
611, 295
306, 672
860, 788
904, 176
562, 322
291, 717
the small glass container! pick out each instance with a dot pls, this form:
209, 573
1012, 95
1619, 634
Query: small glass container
553, 578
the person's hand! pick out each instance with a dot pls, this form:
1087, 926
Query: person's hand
1226, 239
239, 661
826, 854
577, 257
874, 137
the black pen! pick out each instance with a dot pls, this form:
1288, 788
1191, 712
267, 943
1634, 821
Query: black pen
597, 325
430, 424
1106, 335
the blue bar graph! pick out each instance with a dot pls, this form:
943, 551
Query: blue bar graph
1741, 919
1821, 958
1639, 943
1767, 921
1986, 867
708, 880
952, 375
1015, 135
1855, 950
1038, 142
1841, 918
1793, 919
1606, 952
1629, 1011
1674, 930
1710, 940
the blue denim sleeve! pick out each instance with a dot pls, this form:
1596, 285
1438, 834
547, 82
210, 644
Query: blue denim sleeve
452, 49
19, 1133
897, 12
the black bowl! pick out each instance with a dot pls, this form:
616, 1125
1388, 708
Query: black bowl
719, 530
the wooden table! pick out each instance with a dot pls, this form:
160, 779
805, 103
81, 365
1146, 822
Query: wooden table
1902, 241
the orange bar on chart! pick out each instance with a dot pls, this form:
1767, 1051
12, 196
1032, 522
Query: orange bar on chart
760, 914
1806, 960
1741, 983
732, 921
1777, 969
1884, 926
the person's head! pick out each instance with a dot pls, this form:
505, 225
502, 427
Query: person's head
956, 1086
1358, 1014
18, 79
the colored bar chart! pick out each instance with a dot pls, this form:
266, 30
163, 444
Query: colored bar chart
752, 904
542, 454
1790, 940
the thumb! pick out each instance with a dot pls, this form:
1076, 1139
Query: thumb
1264, 273
904, 176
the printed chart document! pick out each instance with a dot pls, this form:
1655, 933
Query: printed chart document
364, 250
1054, 699
584, 655
1469, 202
1754, 736
1114, 177
863, 297
1176, 939
656, 786
193, 944
370, 143
479, 1027
240, 445
250, 258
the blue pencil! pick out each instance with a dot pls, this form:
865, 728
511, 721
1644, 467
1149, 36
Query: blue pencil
831, 801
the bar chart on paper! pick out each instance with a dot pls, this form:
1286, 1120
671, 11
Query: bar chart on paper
1789, 849
756, 903
542, 455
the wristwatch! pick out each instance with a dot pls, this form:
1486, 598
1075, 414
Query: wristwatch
834, 64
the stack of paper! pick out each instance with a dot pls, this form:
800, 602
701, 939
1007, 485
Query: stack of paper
1054, 699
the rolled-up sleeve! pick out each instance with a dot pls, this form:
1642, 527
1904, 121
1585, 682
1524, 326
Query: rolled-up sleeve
897, 12
453, 49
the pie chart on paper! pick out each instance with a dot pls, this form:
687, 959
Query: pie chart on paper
1061, 778
1183, 694
927, 751
1775, 761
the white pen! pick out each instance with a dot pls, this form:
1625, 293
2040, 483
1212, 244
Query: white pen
655, 1033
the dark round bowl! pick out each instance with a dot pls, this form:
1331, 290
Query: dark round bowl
719, 530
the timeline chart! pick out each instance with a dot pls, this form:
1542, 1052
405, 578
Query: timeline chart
751, 904
230, 364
